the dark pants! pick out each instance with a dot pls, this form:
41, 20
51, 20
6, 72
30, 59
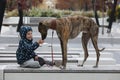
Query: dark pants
41, 61
20, 11
2, 10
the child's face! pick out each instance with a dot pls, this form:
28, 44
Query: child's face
29, 35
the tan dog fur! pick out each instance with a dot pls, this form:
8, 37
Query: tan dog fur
69, 28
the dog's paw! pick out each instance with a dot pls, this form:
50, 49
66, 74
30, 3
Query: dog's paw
58, 63
95, 66
80, 65
62, 67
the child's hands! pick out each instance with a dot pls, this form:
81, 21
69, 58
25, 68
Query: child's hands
40, 41
36, 58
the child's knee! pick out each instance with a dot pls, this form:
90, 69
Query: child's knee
31, 64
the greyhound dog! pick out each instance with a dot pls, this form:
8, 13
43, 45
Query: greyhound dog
70, 27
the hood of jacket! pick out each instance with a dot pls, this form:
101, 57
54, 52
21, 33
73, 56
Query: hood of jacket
23, 32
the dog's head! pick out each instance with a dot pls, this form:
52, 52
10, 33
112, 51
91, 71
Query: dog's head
42, 28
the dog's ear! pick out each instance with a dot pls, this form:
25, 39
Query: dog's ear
40, 26
40, 23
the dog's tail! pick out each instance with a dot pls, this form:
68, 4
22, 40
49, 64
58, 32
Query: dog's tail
101, 49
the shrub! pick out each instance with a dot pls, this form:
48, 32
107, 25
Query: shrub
12, 13
34, 12
37, 12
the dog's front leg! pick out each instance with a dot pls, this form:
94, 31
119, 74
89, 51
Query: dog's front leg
64, 53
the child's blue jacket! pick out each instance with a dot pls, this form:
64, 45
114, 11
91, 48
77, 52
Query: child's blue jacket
26, 47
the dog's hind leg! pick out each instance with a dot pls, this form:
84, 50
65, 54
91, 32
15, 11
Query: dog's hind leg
85, 39
94, 41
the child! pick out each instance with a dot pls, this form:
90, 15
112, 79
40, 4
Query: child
26, 57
